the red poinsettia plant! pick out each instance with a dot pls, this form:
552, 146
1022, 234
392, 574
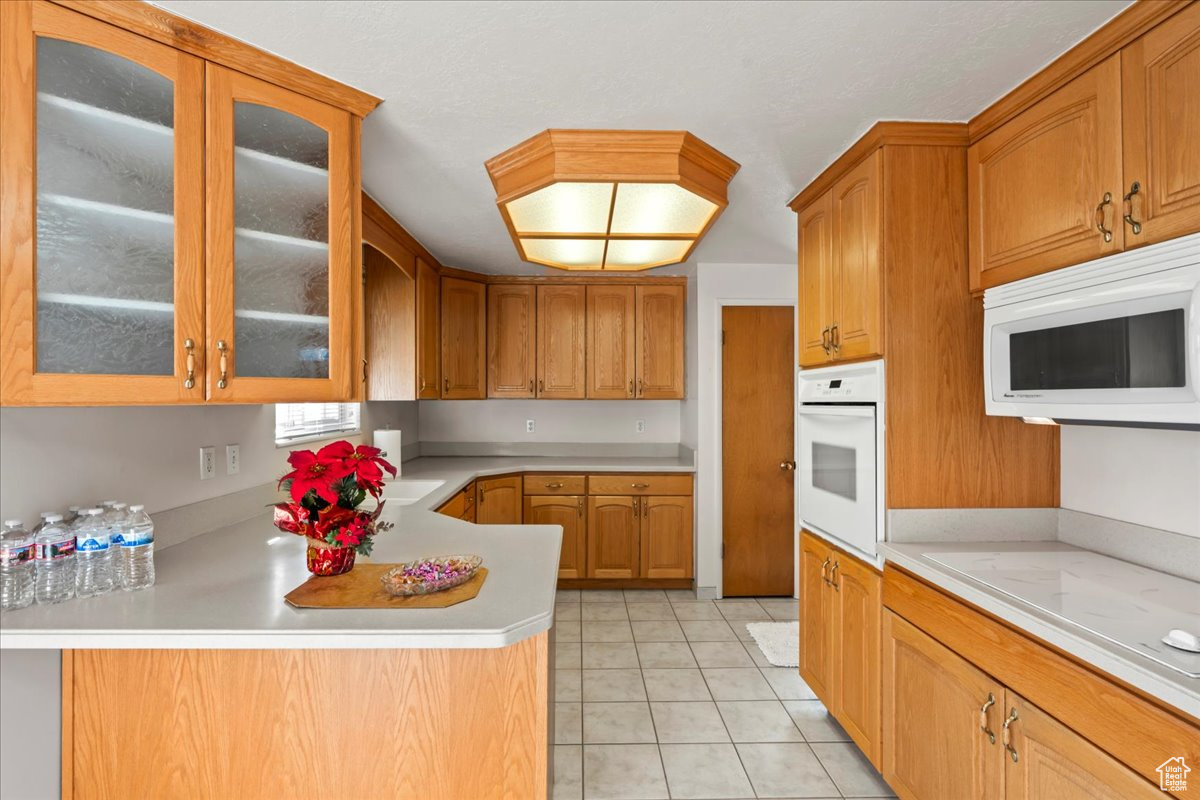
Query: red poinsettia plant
326, 488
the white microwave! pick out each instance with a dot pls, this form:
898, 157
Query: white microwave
1115, 340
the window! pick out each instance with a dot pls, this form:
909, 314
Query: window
300, 422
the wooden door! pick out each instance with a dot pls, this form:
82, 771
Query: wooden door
567, 511
511, 340
658, 349
666, 533
610, 338
935, 711
1055, 763
561, 349
856, 329
859, 604
757, 413
815, 312
817, 619
429, 338
282, 265
463, 316
390, 318
1037, 184
498, 500
1160, 97
612, 537
102, 218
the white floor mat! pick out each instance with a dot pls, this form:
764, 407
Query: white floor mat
778, 641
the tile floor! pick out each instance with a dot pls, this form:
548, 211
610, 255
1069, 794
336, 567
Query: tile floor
660, 695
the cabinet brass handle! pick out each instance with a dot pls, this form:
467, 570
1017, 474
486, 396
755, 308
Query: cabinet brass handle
825, 566
531, 384
825, 340
581, 506
1107, 201
983, 718
364, 370
554, 485
1134, 225
631, 387
637, 506
541, 385
645, 507
445, 384
640, 485
833, 581
482, 496
422, 388
835, 339
641, 388
189, 382
224, 349
1012, 751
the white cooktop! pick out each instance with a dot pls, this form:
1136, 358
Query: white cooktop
1126, 604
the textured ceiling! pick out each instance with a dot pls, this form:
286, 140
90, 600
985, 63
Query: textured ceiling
781, 87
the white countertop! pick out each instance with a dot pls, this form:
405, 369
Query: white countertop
225, 589
1055, 592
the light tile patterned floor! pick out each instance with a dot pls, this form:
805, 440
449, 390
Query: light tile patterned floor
660, 695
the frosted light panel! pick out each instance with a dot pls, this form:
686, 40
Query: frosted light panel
105, 214
281, 244
659, 208
638, 253
563, 208
573, 253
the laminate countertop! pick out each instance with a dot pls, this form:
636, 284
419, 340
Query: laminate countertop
225, 589
1104, 611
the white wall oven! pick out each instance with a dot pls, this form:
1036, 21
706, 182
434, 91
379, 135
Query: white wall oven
839, 462
1113, 341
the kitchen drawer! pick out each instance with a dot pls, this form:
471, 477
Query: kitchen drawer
538, 483
640, 484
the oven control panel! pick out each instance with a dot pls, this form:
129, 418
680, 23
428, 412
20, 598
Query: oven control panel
857, 383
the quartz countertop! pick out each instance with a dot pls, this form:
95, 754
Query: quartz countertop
1106, 612
224, 589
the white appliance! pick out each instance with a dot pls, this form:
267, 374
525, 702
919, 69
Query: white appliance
1115, 340
839, 463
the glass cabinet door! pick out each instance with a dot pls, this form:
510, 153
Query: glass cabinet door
280, 267
102, 213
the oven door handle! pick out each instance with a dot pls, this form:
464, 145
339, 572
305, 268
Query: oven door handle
861, 412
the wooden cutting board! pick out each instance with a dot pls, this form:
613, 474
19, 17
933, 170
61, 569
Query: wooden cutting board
360, 588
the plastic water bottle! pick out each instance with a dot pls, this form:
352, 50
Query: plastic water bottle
54, 555
93, 565
114, 518
136, 553
16, 566
41, 522
72, 515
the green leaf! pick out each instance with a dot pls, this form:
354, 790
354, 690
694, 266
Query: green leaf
364, 547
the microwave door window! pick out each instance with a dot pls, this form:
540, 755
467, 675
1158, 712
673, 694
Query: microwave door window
834, 470
1141, 351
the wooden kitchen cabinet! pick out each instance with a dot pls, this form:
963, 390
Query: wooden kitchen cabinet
498, 500
816, 280
463, 340
665, 537
816, 618
428, 335
569, 511
561, 349
1044, 188
659, 342
612, 537
512, 340
1160, 117
610, 342
938, 710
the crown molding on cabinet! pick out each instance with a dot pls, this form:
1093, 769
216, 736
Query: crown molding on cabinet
591, 278
190, 37
384, 233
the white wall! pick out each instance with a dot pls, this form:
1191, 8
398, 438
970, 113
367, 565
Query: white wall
720, 285
51, 458
1148, 477
689, 409
554, 420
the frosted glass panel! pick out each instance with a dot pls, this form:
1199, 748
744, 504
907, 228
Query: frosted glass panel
659, 208
638, 253
281, 244
571, 253
105, 205
563, 208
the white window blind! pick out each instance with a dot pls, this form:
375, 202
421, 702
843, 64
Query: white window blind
296, 422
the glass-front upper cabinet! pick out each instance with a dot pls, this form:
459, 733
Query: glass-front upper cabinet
281, 268
101, 218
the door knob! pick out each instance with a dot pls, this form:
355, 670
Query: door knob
787, 466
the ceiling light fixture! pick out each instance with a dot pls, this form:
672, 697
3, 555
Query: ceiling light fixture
610, 200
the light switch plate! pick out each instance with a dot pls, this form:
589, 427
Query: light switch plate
208, 462
233, 459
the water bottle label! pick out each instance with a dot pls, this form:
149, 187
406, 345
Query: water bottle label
115, 539
11, 556
92, 544
54, 550
134, 539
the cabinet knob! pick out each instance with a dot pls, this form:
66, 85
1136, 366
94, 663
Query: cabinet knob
224, 348
190, 381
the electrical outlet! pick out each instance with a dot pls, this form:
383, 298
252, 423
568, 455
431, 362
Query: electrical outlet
529, 426
640, 426
233, 459
208, 462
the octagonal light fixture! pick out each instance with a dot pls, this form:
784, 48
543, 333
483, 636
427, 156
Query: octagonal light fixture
608, 200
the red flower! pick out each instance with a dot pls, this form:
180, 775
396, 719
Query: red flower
368, 467
318, 471
331, 519
352, 534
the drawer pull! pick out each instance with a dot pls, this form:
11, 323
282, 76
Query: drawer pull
190, 381
983, 718
1100, 215
223, 348
640, 485
1133, 224
824, 567
833, 581
1012, 751
554, 486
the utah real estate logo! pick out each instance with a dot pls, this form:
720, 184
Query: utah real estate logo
1172, 775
